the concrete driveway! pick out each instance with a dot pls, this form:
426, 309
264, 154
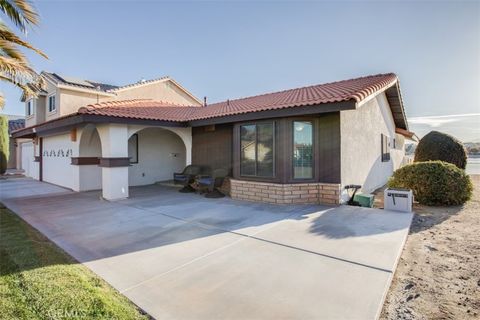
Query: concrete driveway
181, 256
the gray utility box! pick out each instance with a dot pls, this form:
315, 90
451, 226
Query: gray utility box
398, 199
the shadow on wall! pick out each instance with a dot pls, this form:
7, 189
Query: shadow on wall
376, 178
349, 221
378, 175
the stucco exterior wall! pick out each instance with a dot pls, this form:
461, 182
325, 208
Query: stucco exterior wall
160, 154
56, 157
163, 91
361, 131
89, 176
69, 101
38, 116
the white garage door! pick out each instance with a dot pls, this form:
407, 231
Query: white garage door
56, 157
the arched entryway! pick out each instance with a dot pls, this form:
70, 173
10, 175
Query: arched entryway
155, 154
90, 150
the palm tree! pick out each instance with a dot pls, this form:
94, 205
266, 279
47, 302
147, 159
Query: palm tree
14, 66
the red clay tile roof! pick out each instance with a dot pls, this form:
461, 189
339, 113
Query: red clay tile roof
140, 109
354, 89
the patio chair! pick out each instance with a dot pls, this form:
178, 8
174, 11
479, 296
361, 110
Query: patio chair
211, 183
187, 177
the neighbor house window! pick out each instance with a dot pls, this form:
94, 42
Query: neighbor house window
302, 150
51, 103
385, 148
257, 149
133, 148
29, 107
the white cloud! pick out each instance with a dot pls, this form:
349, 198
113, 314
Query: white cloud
463, 126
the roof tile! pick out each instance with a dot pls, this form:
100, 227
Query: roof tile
354, 89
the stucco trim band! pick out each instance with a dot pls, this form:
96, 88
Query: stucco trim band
114, 162
81, 161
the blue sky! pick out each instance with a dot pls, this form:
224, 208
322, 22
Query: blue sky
225, 50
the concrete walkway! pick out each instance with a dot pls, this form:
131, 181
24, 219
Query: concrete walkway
181, 256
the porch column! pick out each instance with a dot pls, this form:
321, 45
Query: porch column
114, 161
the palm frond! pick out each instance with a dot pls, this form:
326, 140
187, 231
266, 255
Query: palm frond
21, 12
8, 35
8, 49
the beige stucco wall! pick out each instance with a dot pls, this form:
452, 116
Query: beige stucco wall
69, 101
38, 116
163, 91
361, 131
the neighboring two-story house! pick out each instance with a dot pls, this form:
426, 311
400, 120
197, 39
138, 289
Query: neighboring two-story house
62, 96
301, 145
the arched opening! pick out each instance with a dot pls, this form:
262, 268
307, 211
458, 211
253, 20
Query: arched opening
90, 149
155, 154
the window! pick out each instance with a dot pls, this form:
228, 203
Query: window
385, 148
133, 148
29, 107
257, 149
51, 103
302, 150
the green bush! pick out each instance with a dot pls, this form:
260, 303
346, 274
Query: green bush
434, 183
4, 146
441, 146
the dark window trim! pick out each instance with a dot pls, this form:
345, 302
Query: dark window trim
30, 107
314, 156
385, 151
52, 107
136, 148
289, 178
274, 152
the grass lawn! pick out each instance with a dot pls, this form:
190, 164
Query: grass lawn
40, 281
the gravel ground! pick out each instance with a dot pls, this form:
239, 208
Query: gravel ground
438, 275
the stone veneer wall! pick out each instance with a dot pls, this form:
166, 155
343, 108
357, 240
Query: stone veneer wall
322, 193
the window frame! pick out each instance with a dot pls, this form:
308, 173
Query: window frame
54, 103
274, 150
385, 148
292, 149
30, 111
136, 148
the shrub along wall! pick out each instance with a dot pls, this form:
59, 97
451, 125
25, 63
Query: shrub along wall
441, 146
4, 146
434, 183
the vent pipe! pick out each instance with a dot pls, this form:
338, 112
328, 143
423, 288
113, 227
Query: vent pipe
205, 101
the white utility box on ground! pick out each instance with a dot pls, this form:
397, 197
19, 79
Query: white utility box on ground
398, 199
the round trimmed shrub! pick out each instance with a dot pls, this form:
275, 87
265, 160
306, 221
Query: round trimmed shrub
434, 183
441, 146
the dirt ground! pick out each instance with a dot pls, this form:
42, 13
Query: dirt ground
438, 275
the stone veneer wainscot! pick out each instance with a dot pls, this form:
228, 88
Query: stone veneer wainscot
303, 193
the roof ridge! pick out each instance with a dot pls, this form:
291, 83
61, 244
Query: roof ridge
308, 86
139, 83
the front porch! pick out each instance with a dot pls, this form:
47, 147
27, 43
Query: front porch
114, 157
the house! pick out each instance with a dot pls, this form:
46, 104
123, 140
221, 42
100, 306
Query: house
295, 146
